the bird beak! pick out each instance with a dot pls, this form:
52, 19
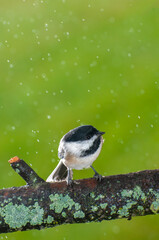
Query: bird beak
100, 133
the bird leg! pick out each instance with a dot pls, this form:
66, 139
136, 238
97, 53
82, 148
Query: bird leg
96, 175
69, 177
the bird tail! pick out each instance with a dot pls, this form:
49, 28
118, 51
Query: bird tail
59, 173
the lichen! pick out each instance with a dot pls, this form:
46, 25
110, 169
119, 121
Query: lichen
79, 214
103, 205
124, 211
140, 209
126, 193
99, 197
138, 193
92, 195
113, 209
155, 206
36, 214
49, 219
17, 216
63, 214
94, 208
60, 201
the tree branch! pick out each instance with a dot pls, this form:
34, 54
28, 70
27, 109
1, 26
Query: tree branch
43, 204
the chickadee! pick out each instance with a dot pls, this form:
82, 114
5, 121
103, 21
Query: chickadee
78, 149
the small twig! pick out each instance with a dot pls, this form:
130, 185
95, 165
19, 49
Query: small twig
25, 171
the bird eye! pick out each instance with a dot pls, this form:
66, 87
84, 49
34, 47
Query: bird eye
88, 137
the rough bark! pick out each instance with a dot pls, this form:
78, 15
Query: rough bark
42, 205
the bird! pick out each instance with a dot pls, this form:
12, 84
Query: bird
78, 149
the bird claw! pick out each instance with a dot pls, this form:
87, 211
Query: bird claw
69, 182
98, 177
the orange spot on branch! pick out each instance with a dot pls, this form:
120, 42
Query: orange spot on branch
14, 159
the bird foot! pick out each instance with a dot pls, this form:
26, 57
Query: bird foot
98, 177
69, 182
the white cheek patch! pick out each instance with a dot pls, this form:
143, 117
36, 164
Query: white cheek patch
77, 147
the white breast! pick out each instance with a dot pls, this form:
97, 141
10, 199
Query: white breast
79, 163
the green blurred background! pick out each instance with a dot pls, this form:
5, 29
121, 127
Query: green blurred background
67, 63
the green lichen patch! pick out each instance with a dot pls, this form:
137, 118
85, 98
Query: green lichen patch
124, 211
138, 193
64, 214
141, 210
113, 209
100, 196
49, 219
103, 205
79, 214
36, 214
155, 206
126, 193
60, 202
92, 195
94, 208
17, 216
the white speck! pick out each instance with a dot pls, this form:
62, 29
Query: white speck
142, 91
11, 65
129, 54
67, 33
155, 82
63, 62
61, 91
151, 126
56, 108
31, 59
8, 60
128, 116
36, 152
48, 117
139, 117
89, 5
38, 140
30, 164
20, 148
46, 91
52, 150
108, 50
83, 19
28, 94
131, 30
137, 125
88, 90
13, 128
